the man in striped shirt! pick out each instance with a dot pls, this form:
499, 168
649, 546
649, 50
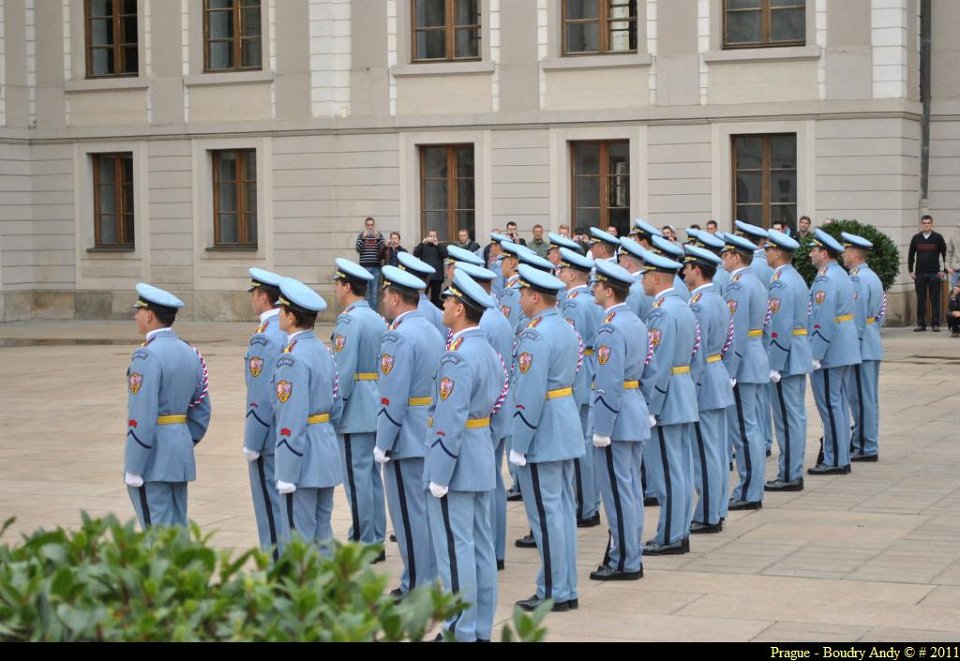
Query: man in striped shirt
369, 244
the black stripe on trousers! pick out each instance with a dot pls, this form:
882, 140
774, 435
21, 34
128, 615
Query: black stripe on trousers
748, 465
451, 546
579, 482
405, 519
544, 535
704, 474
290, 513
863, 439
833, 423
786, 432
618, 508
354, 508
147, 519
668, 487
262, 474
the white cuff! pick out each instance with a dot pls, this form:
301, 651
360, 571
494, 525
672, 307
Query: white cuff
817, 364
653, 421
775, 376
380, 456
133, 479
437, 490
733, 383
600, 441
250, 455
517, 459
285, 487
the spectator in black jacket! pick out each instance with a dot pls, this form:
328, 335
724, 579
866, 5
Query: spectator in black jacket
430, 251
465, 242
388, 254
927, 250
514, 234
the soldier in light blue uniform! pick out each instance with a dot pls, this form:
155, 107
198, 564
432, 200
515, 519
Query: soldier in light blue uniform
749, 368
603, 245
307, 406
543, 447
168, 411
673, 403
459, 466
259, 434
869, 308
758, 237
553, 256
530, 258
643, 232
714, 244
835, 348
790, 362
631, 258
422, 271
580, 310
356, 348
409, 356
510, 296
672, 251
493, 262
711, 449
621, 422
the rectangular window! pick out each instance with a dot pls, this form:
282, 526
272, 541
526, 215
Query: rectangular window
235, 198
113, 200
231, 35
446, 30
600, 185
765, 179
764, 23
599, 26
111, 38
446, 190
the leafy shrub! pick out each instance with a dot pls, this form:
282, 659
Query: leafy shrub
111, 582
884, 259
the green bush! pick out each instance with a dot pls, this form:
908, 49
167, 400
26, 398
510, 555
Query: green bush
884, 259
111, 582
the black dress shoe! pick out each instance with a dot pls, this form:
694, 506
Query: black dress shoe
500, 565
398, 594
393, 537
605, 573
589, 522
526, 542
532, 603
650, 501
679, 548
769, 452
572, 604
824, 469
919, 329
745, 504
784, 485
514, 495
864, 457
698, 528
380, 558
935, 329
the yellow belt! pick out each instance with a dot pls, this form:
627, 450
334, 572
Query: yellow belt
683, 369
843, 317
318, 419
715, 358
799, 331
588, 352
631, 385
366, 376
871, 320
420, 401
559, 392
472, 423
171, 419
755, 333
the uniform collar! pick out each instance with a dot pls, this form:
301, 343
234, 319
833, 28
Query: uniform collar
463, 332
362, 303
157, 331
664, 294
272, 312
614, 308
780, 268
742, 268
299, 335
398, 319
578, 288
701, 288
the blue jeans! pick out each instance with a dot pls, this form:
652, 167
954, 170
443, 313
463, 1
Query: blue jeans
373, 288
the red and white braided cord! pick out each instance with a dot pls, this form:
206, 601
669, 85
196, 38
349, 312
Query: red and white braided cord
646, 361
504, 389
579, 351
336, 374
883, 306
204, 380
729, 341
696, 340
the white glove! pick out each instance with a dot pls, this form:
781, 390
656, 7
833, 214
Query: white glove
817, 364
380, 456
133, 480
600, 441
285, 487
775, 376
733, 383
517, 459
653, 421
438, 491
250, 455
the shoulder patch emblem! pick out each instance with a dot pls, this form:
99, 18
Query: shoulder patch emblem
136, 380
658, 303
574, 294
284, 390
505, 310
732, 305
284, 361
736, 278
774, 305
140, 353
446, 388
256, 366
655, 336
525, 362
534, 323
609, 317
823, 271
386, 364
820, 297
696, 298
455, 345
776, 276
339, 342
603, 354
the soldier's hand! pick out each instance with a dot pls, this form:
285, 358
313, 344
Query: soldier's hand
817, 364
653, 421
380, 456
250, 455
600, 441
733, 383
133, 479
437, 490
517, 459
285, 487
775, 376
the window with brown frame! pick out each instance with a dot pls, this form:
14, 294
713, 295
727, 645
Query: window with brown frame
113, 201
111, 38
765, 179
446, 30
235, 198
600, 184
232, 35
599, 26
764, 23
446, 190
